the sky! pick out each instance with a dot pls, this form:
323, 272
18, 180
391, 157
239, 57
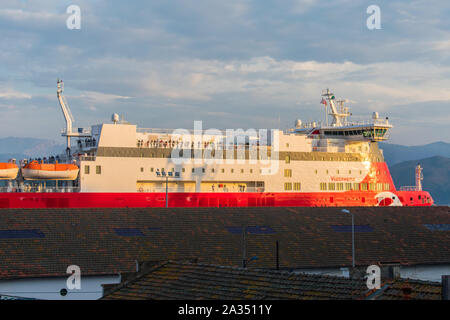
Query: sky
232, 64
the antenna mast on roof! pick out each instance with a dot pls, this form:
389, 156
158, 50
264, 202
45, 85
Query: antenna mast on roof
339, 115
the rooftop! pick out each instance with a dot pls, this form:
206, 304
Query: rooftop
43, 242
192, 281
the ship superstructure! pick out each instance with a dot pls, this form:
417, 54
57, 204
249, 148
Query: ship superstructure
314, 164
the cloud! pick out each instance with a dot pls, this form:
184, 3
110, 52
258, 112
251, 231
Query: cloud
19, 15
99, 97
8, 93
235, 63
386, 83
302, 6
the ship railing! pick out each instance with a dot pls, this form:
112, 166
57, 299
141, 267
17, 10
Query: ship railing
351, 124
218, 190
373, 122
87, 158
331, 149
203, 147
206, 132
39, 189
80, 131
156, 130
409, 188
86, 144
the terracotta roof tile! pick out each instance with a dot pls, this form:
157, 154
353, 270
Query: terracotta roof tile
87, 237
194, 281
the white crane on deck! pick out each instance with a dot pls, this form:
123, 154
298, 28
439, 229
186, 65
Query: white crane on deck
69, 117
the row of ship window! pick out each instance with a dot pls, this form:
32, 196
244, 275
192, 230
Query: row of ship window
193, 170
289, 186
287, 172
340, 186
98, 169
296, 186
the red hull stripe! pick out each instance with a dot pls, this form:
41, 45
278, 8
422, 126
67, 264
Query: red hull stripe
143, 200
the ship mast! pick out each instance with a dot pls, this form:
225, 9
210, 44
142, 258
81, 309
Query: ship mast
419, 177
339, 115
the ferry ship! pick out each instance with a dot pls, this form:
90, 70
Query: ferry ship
329, 163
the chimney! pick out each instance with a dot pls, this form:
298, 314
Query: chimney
446, 287
406, 291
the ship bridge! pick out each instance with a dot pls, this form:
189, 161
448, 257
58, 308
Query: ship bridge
340, 127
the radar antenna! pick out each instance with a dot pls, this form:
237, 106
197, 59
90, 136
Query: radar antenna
339, 114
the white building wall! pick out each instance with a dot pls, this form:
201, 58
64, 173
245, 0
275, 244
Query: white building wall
420, 272
426, 273
118, 135
49, 288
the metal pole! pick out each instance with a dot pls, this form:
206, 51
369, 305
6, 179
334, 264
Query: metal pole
244, 249
353, 240
277, 256
167, 192
353, 235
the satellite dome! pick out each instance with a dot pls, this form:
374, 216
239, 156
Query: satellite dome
115, 118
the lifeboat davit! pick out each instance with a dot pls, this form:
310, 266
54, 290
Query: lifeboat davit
49, 171
8, 171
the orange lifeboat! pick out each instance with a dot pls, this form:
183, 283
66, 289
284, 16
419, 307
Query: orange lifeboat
8, 171
46, 171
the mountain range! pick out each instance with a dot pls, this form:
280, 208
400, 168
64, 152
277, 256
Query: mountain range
24, 148
395, 153
434, 158
436, 173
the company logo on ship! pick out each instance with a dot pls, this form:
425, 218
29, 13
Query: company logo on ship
342, 179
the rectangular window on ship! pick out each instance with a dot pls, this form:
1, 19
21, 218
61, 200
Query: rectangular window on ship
288, 186
98, 169
86, 169
331, 186
297, 186
287, 173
